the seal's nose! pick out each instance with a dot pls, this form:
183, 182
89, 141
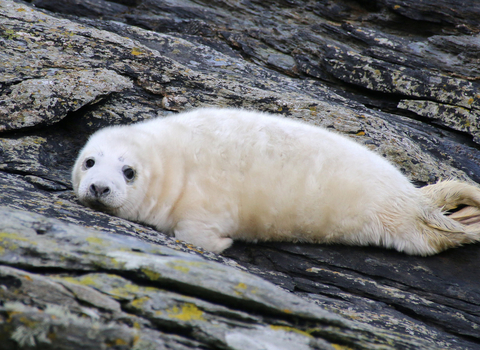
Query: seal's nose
99, 191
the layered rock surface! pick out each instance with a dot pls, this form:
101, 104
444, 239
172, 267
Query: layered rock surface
400, 77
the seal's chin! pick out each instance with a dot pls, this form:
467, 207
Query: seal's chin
98, 205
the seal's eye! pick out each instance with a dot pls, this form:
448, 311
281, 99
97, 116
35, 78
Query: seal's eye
128, 172
89, 163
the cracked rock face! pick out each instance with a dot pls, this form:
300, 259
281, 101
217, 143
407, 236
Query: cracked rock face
123, 287
43, 101
399, 77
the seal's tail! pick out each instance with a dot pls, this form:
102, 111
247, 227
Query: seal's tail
445, 229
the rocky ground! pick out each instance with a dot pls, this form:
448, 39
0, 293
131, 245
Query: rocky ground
402, 77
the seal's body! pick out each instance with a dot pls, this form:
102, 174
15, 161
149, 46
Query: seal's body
214, 175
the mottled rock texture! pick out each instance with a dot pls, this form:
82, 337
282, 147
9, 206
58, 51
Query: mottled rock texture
401, 77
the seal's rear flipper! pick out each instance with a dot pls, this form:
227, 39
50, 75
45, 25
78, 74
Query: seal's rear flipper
450, 194
440, 232
443, 230
467, 216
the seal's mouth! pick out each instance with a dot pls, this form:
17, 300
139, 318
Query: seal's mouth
98, 205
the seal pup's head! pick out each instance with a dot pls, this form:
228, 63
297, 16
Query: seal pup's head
110, 173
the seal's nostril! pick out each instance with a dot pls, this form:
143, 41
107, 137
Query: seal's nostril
99, 191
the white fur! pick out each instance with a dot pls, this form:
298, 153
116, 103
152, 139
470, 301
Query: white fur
213, 175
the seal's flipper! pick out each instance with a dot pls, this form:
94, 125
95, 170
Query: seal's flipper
443, 230
450, 194
467, 216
